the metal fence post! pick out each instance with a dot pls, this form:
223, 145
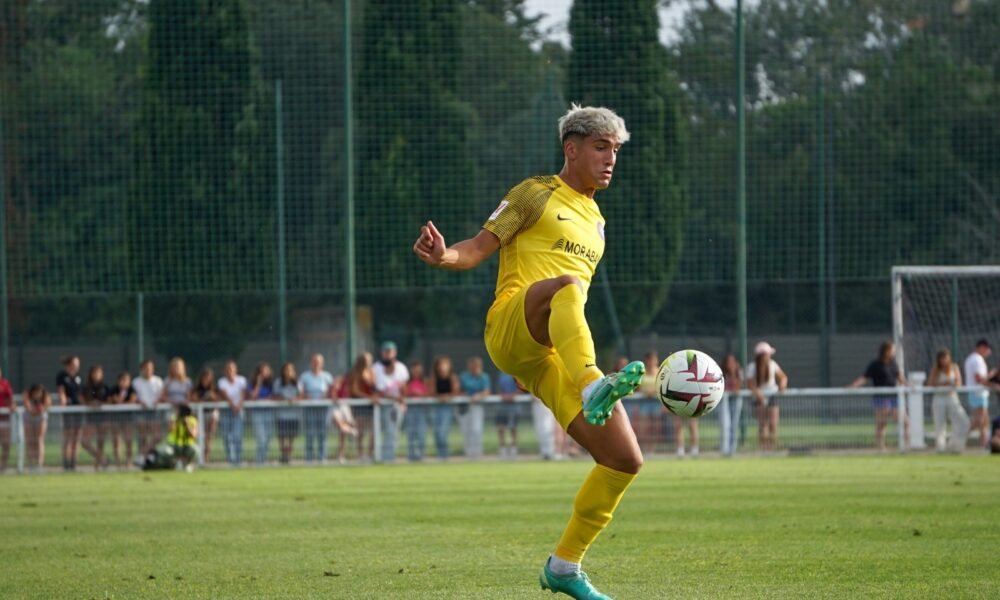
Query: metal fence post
18, 426
376, 432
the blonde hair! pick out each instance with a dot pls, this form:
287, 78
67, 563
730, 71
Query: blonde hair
592, 120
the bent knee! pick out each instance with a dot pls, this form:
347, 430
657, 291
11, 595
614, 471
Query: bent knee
630, 464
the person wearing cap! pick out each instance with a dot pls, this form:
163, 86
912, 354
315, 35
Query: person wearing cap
765, 379
391, 376
884, 372
977, 375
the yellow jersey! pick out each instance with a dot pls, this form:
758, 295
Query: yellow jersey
546, 229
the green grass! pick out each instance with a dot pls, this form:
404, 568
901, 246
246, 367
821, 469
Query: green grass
815, 527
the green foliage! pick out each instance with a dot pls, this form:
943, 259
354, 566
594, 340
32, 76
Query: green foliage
617, 61
203, 217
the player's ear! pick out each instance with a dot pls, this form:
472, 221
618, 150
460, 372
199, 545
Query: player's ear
570, 147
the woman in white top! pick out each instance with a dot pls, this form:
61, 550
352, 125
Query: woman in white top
177, 385
945, 405
765, 379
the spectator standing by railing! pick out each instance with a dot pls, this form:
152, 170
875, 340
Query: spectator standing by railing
37, 403
977, 375
68, 384
262, 418
148, 390
417, 415
315, 385
121, 426
234, 390
766, 379
391, 376
204, 391
475, 386
6, 420
360, 383
177, 386
286, 388
945, 406
444, 385
884, 372
507, 414
731, 406
95, 424
342, 417
648, 411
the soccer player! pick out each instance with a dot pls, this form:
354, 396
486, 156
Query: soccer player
550, 234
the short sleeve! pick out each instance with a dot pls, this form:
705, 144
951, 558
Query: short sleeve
521, 208
872, 371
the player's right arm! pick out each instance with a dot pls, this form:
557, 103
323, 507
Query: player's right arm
431, 248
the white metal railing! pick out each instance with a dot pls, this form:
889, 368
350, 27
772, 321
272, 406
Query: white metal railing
845, 404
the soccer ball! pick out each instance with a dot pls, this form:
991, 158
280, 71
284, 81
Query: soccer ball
689, 383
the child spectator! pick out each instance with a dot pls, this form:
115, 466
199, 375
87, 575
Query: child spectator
121, 426
475, 385
287, 388
37, 403
262, 418
417, 415
342, 416
444, 385
507, 414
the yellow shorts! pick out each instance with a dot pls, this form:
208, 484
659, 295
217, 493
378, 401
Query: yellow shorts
536, 367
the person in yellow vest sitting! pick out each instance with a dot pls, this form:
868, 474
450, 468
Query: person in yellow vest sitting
183, 437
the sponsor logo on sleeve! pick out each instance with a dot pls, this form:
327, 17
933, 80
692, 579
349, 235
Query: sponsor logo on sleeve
499, 210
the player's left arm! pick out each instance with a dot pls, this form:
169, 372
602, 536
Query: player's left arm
431, 248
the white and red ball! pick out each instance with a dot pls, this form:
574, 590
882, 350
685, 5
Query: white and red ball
689, 383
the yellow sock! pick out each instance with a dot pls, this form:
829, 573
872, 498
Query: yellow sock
595, 502
571, 336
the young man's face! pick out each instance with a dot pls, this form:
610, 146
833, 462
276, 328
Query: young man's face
593, 158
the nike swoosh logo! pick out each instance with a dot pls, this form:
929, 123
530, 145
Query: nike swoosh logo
589, 365
562, 218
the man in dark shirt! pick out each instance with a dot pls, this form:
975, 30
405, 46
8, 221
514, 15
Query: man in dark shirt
995, 436
68, 384
884, 372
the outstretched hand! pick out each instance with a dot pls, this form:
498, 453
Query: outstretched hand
430, 246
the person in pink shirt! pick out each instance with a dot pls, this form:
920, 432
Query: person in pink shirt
6, 402
417, 415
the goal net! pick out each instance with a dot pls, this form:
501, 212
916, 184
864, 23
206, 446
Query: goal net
943, 307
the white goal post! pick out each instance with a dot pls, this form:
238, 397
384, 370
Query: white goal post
936, 307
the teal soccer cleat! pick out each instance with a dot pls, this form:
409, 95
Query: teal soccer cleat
598, 405
576, 585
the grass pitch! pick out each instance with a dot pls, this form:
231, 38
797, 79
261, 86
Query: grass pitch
813, 527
